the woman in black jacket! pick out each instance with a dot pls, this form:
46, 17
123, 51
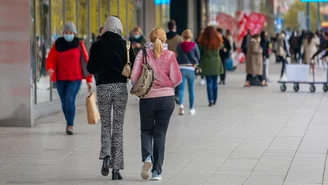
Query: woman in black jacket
266, 56
108, 57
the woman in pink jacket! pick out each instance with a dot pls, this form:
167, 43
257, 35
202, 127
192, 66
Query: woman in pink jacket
158, 104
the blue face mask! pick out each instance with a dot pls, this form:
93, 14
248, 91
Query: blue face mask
69, 37
137, 36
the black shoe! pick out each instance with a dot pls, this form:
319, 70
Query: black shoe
105, 166
116, 175
211, 104
223, 82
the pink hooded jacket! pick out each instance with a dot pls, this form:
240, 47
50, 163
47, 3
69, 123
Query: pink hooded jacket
166, 71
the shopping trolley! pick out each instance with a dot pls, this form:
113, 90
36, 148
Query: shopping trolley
298, 74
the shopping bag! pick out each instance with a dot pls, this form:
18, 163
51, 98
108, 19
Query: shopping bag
92, 110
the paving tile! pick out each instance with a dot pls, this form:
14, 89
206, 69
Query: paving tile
253, 136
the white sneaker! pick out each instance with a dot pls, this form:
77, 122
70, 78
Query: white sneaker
192, 112
156, 176
146, 169
283, 79
181, 111
202, 82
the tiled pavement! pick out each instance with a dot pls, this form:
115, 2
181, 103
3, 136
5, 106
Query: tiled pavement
256, 136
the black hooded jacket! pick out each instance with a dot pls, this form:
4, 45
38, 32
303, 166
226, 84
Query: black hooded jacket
108, 57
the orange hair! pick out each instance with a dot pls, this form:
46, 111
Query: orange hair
211, 39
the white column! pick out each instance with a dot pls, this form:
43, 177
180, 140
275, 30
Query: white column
192, 16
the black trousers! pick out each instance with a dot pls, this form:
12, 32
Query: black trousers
223, 76
283, 65
155, 115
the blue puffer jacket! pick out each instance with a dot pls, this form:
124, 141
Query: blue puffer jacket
188, 53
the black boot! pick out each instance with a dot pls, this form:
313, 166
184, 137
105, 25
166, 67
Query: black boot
116, 175
105, 166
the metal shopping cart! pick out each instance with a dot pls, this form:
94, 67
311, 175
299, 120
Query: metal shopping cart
298, 74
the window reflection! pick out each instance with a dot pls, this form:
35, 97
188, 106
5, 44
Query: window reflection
42, 47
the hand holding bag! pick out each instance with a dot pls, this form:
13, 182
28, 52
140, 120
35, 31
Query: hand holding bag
92, 110
127, 68
146, 79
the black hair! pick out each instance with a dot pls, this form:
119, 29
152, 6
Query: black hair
171, 24
219, 30
263, 34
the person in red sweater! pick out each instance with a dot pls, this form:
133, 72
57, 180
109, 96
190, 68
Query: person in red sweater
65, 68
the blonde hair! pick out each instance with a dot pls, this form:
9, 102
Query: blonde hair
158, 37
187, 34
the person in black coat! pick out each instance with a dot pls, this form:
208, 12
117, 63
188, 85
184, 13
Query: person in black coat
108, 56
224, 55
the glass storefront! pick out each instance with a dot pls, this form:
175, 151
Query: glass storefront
162, 13
48, 19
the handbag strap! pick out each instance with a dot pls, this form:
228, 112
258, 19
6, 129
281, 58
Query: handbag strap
128, 45
144, 51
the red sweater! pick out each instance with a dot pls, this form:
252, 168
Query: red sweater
67, 64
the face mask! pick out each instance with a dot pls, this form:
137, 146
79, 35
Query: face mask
136, 36
69, 37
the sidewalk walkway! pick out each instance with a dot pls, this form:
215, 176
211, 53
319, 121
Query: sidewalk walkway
253, 136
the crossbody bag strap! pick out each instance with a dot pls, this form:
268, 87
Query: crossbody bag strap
128, 46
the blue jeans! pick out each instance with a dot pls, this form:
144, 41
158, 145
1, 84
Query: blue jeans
212, 88
67, 91
190, 76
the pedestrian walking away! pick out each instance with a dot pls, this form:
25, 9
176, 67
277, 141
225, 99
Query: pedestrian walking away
108, 56
210, 43
157, 107
188, 57
173, 39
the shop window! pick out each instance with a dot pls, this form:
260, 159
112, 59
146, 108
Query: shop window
133, 8
42, 46
83, 20
70, 11
57, 22
104, 8
114, 7
162, 12
95, 22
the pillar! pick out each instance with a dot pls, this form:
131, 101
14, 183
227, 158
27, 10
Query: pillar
149, 12
16, 95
